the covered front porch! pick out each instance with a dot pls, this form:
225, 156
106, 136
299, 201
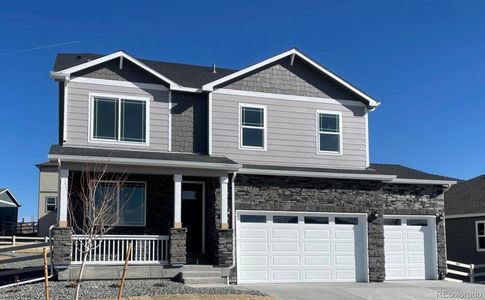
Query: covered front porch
177, 215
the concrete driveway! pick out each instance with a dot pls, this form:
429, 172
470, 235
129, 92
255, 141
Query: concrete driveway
391, 290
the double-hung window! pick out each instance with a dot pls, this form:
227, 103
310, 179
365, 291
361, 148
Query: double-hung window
50, 204
480, 234
120, 204
253, 126
329, 132
119, 119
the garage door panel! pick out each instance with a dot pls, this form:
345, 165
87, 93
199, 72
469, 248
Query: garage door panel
286, 247
395, 259
415, 259
393, 247
285, 233
323, 234
317, 260
317, 275
254, 275
254, 233
286, 260
254, 260
252, 246
395, 273
286, 275
316, 247
341, 260
344, 274
344, 247
413, 246
415, 235
347, 234
417, 273
392, 234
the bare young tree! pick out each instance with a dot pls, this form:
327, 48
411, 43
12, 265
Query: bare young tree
94, 210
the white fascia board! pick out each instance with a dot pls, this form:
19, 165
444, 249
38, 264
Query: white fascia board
8, 203
117, 54
15, 202
145, 162
210, 86
423, 181
460, 216
377, 177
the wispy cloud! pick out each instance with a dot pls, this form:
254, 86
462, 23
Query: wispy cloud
39, 48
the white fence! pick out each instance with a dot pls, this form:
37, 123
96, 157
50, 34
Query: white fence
467, 272
15, 239
111, 249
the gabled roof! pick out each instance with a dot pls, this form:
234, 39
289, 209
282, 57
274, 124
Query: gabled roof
292, 53
466, 197
12, 197
189, 76
403, 172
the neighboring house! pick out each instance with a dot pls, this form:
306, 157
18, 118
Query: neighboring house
9, 209
48, 188
465, 221
262, 171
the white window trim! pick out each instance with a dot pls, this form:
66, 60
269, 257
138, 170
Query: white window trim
479, 236
118, 187
119, 97
265, 127
340, 133
45, 204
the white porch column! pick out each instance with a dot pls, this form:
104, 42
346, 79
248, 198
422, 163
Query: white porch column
177, 209
63, 197
224, 182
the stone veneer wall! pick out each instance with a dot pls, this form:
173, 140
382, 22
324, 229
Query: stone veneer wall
61, 246
178, 243
224, 248
352, 196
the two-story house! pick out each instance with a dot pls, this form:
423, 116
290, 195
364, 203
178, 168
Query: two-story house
263, 172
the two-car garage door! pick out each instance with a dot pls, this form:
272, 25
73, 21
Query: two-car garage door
299, 247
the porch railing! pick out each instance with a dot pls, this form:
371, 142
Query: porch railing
111, 249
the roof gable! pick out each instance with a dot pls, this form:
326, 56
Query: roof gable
292, 54
6, 197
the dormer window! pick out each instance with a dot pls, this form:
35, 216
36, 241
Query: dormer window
329, 132
119, 119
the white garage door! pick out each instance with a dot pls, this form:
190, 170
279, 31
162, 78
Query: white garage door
299, 247
410, 247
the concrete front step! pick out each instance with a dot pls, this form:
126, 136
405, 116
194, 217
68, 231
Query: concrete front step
202, 273
204, 280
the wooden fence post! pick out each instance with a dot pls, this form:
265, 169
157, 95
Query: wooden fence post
472, 273
46, 274
128, 254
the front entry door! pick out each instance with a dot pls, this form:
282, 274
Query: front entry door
192, 216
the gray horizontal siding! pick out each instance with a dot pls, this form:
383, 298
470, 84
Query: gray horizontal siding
461, 240
77, 127
292, 133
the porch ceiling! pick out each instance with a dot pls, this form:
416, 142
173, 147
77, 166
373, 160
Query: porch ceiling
141, 158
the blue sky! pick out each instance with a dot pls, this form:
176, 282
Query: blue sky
424, 60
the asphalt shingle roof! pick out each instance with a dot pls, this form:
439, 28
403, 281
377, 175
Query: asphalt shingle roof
77, 151
406, 172
466, 197
184, 74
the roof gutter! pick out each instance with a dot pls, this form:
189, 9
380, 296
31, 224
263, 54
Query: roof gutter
447, 183
145, 162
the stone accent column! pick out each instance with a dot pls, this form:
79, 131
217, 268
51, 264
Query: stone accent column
441, 248
177, 252
377, 272
224, 247
61, 246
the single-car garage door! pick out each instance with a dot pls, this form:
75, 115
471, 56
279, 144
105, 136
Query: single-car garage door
410, 247
300, 247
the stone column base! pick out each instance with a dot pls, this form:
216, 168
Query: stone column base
224, 247
61, 247
177, 248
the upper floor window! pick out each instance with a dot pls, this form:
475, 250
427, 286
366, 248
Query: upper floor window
329, 132
50, 203
253, 126
119, 119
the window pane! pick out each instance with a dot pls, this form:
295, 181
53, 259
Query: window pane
329, 142
253, 137
133, 123
105, 206
392, 221
105, 119
252, 116
285, 219
417, 222
189, 195
481, 228
329, 123
253, 219
350, 221
51, 200
481, 243
316, 220
132, 204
